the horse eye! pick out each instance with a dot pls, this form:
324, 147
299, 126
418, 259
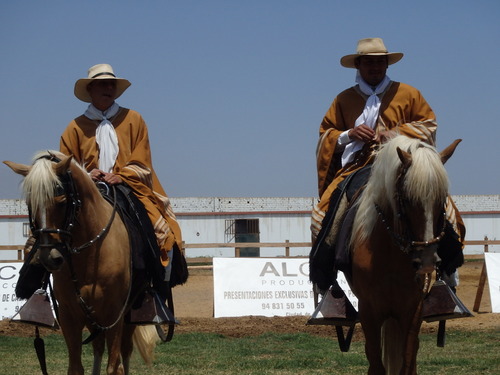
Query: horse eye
61, 199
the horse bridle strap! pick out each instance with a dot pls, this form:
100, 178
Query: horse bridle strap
103, 231
72, 208
406, 244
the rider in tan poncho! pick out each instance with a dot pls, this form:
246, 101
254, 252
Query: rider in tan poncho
112, 144
365, 115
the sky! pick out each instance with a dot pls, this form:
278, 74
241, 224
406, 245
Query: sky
233, 92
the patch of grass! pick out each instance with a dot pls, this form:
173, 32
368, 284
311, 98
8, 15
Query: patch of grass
465, 353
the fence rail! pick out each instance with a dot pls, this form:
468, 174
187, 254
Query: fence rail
240, 245
18, 248
287, 245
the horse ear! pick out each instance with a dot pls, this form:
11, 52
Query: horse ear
448, 151
21, 169
63, 165
405, 157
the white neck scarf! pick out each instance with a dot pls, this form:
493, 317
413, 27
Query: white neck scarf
368, 116
105, 135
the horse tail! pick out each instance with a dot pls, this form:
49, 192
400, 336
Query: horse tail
145, 339
392, 346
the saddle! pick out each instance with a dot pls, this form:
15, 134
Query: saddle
144, 247
329, 253
154, 304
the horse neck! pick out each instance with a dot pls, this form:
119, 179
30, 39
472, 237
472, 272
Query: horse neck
94, 212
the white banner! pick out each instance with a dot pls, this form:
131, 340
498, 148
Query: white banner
262, 286
493, 270
9, 304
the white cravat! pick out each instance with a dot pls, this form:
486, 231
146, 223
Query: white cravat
368, 116
105, 135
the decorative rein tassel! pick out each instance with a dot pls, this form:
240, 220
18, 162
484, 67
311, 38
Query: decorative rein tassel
39, 345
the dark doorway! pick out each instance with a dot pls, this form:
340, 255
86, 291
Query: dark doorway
247, 230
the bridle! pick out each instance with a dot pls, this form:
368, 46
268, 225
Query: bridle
73, 205
404, 241
65, 243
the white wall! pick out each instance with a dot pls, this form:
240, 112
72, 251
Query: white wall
202, 220
477, 227
273, 228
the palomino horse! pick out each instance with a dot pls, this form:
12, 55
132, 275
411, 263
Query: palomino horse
86, 248
396, 231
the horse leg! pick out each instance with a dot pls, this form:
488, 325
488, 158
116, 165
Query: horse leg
127, 346
113, 340
72, 332
98, 346
373, 349
412, 343
410, 358
392, 346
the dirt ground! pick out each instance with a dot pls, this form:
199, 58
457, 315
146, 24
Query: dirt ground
194, 309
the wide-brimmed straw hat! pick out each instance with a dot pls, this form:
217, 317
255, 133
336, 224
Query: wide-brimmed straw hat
99, 71
370, 47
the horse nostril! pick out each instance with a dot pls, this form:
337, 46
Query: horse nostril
56, 257
417, 264
58, 261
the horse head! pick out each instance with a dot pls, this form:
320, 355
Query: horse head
52, 204
407, 193
421, 194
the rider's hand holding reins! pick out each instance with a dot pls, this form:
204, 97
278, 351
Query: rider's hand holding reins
109, 178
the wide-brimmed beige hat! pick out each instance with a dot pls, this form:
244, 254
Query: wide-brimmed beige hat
370, 47
99, 71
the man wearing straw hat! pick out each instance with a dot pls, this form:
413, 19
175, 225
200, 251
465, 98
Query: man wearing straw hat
359, 119
112, 143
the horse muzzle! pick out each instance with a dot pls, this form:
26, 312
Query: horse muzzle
50, 257
52, 247
425, 259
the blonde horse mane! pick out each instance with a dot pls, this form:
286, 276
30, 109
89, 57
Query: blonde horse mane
426, 181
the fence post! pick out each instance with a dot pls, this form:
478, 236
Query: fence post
287, 249
482, 281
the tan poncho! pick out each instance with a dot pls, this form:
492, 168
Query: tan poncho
403, 109
133, 165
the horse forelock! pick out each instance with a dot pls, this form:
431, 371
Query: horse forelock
40, 183
425, 182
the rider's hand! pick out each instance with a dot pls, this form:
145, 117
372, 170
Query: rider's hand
96, 174
109, 178
362, 133
112, 179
